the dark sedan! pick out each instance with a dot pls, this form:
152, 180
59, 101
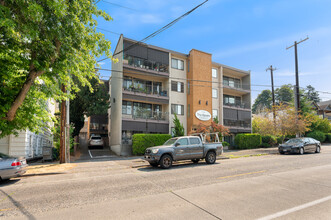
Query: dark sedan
11, 167
300, 146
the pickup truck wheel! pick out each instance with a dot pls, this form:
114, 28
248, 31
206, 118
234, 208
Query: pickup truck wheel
153, 164
166, 161
210, 157
195, 160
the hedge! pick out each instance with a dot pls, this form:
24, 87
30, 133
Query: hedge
142, 141
224, 143
328, 137
248, 141
318, 135
269, 139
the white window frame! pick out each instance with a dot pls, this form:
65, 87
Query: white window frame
215, 111
177, 64
214, 72
214, 93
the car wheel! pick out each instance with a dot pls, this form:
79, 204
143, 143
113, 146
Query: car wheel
281, 152
195, 160
166, 161
318, 149
210, 157
301, 150
153, 164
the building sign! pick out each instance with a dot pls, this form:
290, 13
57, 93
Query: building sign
203, 115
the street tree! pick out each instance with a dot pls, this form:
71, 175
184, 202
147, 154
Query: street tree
87, 103
179, 128
263, 101
41, 42
212, 128
311, 94
284, 94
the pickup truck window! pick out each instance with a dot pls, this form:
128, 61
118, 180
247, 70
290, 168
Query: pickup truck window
194, 141
170, 141
183, 141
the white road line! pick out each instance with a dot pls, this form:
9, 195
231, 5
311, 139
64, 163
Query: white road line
90, 153
294, 209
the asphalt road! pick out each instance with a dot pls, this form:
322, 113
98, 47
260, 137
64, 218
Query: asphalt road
264, 187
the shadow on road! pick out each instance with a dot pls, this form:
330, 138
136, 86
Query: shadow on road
19, 206
175, 166
8, 182
42, 174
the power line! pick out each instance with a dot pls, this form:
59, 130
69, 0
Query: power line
112, 32
158, 31
118, 5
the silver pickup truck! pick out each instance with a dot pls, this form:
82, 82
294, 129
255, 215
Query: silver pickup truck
194, 147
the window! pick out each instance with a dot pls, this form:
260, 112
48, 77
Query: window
194, 141
177, 64
126, 108
214, 73
232, 82
232, 100
214, 95
188, 66
178, 109
188, 88
182, 141
188, 110
215, 113
177, 86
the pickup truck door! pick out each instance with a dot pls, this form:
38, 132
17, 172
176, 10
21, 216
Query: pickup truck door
196, 148
182, 151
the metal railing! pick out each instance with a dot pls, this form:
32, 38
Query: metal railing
238, 105
237, 124
236, 86
149, 90
150, 115
146, 64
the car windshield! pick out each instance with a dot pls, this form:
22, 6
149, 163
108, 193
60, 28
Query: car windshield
170, 141
294, 141
3, 156
96, 138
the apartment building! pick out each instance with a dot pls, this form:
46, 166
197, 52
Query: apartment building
150, 84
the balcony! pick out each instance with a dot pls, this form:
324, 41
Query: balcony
146, 66
240, 125
147, 93
237, 88
238, 105
146, 115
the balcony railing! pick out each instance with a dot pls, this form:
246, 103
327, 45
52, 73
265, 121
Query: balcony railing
237, 124
148, 90
236, 85
146, 64
242, 105
150, 115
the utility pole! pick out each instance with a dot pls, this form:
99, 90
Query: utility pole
62, 128
67, 130
297, 92
273, 92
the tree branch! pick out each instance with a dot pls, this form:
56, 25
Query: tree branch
33, 74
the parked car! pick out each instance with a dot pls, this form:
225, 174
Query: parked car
195, 148
11, 167
300, 145
95, 141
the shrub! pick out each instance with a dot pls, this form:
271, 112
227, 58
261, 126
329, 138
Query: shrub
280, 139
328, 137
269, 139
318, 135
248, 141
142, 141
224, 143
265, 145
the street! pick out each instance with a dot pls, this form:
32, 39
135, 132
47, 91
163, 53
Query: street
261, 187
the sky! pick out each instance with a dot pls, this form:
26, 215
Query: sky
248, 35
